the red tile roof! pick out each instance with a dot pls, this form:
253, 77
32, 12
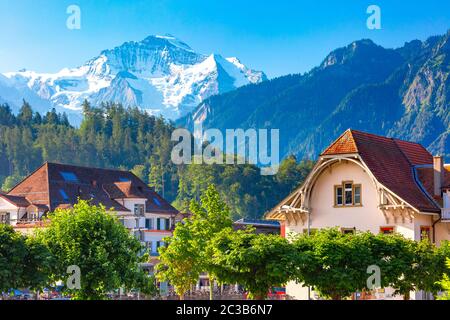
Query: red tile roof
60, 186
392, 163
343, 145
426, 177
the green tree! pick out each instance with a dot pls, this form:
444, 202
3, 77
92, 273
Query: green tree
256, 261
333, 263
187, 255
415, 266
38, 265
180, 260
94, 240
11, 181
25, 115
12, 255
445, 284
24, 263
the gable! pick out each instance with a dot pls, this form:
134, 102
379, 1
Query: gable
343, 145
6, 205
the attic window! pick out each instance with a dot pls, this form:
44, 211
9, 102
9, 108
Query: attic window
69, 176
347, 194
156, 201
122, 179
64, 194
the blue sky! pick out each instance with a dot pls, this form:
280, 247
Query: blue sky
278, 37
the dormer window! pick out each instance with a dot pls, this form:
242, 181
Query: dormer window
69, 176
139, 209
64, 195
347, 194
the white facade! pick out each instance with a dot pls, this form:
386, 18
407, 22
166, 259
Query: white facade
324, 211
149, 228
15, 215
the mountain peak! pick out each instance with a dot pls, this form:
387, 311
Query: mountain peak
357, 52
167, 39
161, 74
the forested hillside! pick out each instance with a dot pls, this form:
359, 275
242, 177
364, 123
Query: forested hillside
401, 92
111, 136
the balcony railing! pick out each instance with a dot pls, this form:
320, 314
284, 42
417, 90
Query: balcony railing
29, 220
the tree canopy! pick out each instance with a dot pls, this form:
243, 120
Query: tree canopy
258, 262
24, 263
187, 253
112, 136
105, 252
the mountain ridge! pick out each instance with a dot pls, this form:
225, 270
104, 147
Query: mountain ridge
400, 92
160, 74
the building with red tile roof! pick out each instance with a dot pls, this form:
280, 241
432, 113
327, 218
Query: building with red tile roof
59, 186
371, 183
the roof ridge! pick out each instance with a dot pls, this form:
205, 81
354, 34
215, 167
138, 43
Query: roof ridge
86, 167
385, 137
403, 153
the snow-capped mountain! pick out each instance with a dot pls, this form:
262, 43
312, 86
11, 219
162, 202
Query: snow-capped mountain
160, 74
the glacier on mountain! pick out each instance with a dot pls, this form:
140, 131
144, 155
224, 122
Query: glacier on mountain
160, 74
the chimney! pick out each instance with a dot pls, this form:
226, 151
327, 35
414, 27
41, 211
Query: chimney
438, 170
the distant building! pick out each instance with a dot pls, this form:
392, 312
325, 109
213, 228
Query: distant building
261, 226
371, 183
145, 213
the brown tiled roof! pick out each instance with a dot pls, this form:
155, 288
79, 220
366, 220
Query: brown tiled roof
48, 186
343, 145
392, 163
426, 177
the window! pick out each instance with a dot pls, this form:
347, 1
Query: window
167, 224
348, 230
139, 209
162, 224
387, 230
158, 245
4, 217
122, 179
33, 216
357, 195
338, 196
425, 233
347, 194
69, 176
149, 224
64, 195
158, 224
